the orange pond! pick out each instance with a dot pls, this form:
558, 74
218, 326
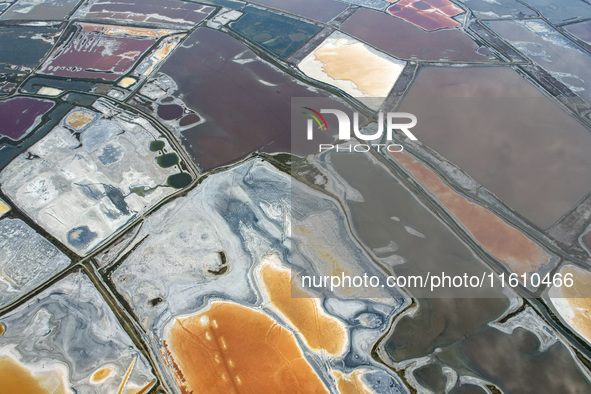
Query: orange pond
230, 348
15, 378
573, 303
101, 375
504, 242
351, 384
320, 330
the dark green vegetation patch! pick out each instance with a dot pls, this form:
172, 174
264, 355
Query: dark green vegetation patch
180, 180
279, 34
155, 146
167, 160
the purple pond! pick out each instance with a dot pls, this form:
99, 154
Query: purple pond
19, 115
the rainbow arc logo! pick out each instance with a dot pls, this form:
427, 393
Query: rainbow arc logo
317, 116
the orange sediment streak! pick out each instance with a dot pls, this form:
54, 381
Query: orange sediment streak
120, 30
230, 348
503, 241
161, 53
126, 377
320, 330
146, 387
170, 363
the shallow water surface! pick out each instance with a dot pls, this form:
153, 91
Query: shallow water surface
506, 134
406, 41
245, 101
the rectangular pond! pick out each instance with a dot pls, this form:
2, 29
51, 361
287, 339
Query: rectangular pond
279, 34
559, 56
48, 10
244, 101
182, 14
31, 110
407, 41
318, 10
81, 55
506, 134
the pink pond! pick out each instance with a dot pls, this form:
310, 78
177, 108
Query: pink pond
408, 41
169, 12
84, 53
427, 14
